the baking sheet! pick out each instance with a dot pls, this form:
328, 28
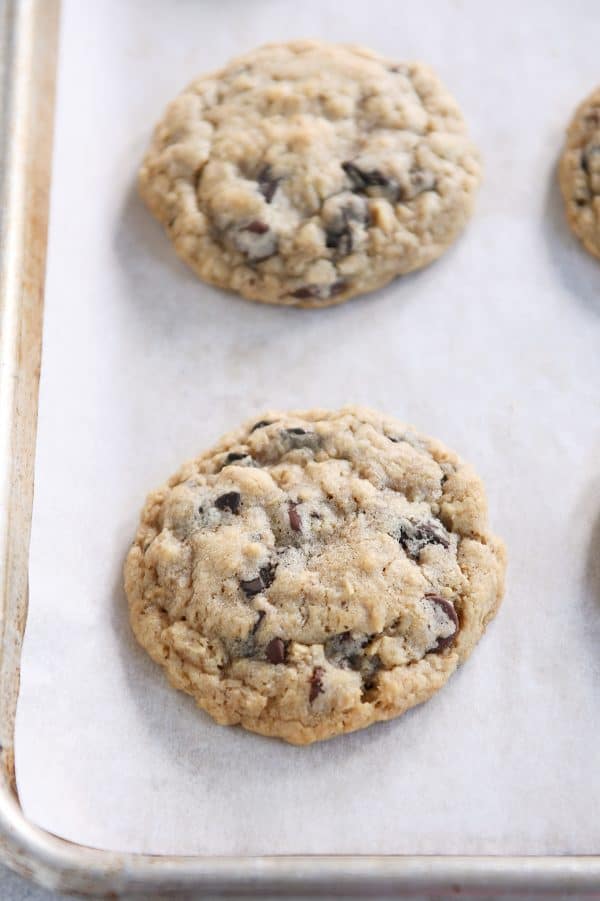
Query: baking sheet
494, 349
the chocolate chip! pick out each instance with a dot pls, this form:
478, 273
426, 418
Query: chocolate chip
299, 438
368, 181
345, 649
260, 616
415, 536
340, 241
259, 425
448, 608
316, 683
250, 587
267, 185
295, 521
369, 672
257, 228
338, 287
276, 651
267, 574
305, 292
255, 240
265, 578
349, 651
320, 291
342, 214
229, 501
362, 179
233, 457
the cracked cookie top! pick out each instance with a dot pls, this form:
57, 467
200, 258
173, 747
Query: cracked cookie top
580, 173
314, 572
306, 173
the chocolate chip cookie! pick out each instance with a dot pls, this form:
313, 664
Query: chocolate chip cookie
579, 173
305, 173
314, 572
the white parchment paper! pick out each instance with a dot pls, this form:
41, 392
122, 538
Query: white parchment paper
494, 349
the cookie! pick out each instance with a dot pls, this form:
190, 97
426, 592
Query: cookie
306, 173
579, 173
314, 572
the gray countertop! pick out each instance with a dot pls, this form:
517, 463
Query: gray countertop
13, 888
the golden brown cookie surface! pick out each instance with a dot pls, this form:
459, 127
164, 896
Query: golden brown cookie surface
580, 173
305, 173
315, 572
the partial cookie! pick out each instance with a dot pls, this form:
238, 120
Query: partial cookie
314, 572
305, 173
580, 173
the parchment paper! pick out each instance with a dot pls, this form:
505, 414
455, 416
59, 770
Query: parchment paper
494, 349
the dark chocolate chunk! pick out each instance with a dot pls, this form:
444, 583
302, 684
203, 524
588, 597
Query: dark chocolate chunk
298, 438
295, 521
255, 240
259, 425
257, 228
233, 457
229, 501
259, 618
276, 651
267, 574
342, 213
341, 241
305, 292
250, 587
338, 287
448, 608
345, 649
267, 184
318, 291
365, 180
362, 179
415, 536
316, 683
369, 669
265, 578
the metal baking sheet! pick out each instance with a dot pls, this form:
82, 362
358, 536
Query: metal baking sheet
486, 349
